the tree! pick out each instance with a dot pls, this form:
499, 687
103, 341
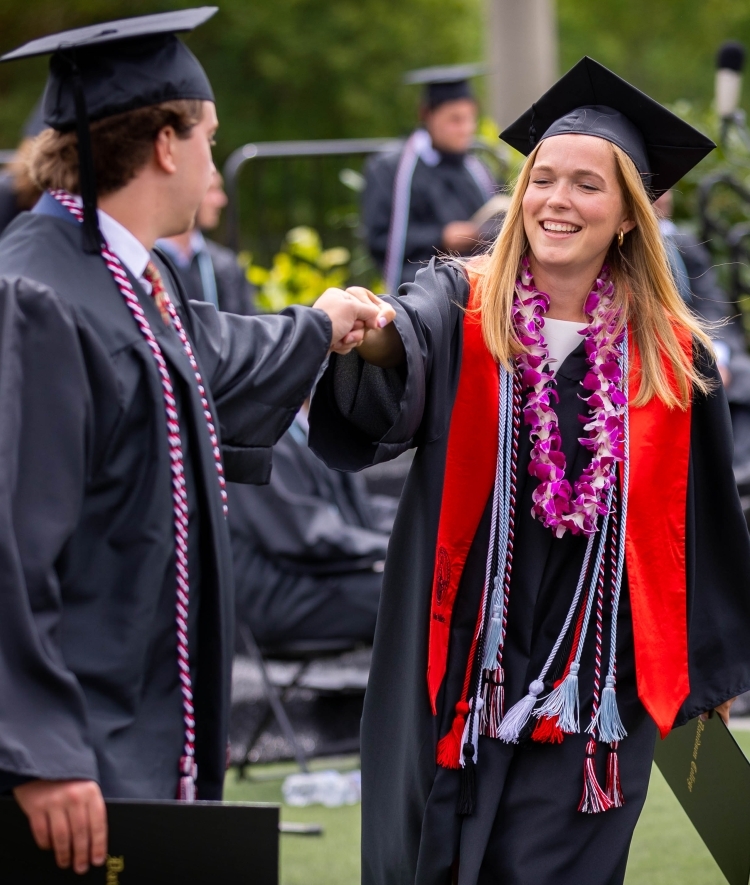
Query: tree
666, 48
281, 69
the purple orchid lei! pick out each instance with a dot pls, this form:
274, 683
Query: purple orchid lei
557, 505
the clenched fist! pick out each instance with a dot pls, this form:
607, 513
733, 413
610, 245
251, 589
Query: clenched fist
352, 313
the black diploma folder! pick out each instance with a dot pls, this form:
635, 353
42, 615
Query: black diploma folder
202, 843
710, 776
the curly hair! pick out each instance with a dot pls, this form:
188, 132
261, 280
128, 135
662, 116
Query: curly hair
121, 145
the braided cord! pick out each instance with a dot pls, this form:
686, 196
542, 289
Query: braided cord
187, 347
617, 589
188, 769
513, 461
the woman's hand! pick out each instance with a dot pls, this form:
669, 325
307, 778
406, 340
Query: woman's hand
381, 346
352, 314
722, 710
69, 817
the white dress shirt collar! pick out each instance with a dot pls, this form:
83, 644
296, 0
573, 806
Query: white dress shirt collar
131, 252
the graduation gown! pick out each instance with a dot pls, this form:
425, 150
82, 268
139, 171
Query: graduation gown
88, 669
440, 194
304, 549
525, 827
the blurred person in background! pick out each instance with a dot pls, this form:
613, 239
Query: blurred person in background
18, 192
208, 271
699, 287
419, 201
308, 548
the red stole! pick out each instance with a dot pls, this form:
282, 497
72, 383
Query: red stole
655, 534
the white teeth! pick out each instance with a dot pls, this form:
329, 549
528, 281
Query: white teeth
562, 228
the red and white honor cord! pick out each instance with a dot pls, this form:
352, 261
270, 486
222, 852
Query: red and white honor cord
188, 767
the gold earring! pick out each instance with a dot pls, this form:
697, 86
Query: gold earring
620, 237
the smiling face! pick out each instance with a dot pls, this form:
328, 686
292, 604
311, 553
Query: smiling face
573, 206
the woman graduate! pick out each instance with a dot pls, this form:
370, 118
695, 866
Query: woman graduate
569, 570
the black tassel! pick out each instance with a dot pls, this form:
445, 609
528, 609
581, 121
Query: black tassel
467, 791
92, 238
532, 128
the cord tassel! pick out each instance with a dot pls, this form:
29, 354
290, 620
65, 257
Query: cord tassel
493, 695
594, 800
563, 703
548, 731
614, 789
519, 714
467, 790
493, 641
471, 728
607, 718
449, 746
189, 775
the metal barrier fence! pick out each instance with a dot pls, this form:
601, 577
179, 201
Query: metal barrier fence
350, 147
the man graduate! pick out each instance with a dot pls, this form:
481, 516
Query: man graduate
419, 201
125, 408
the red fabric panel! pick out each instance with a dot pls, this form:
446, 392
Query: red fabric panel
469, 476
655, 550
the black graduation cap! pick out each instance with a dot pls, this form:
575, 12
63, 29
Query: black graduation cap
592, 100
106, 69
444, 83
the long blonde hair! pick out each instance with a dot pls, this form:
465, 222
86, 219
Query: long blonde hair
643, 284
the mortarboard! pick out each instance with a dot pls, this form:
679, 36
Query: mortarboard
592, 100
106, 69
445, 83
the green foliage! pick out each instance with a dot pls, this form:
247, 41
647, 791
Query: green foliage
300, 272
666, 48
281, 69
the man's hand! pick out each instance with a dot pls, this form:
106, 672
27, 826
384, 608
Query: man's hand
352, 313
69, 817
460, 236
722, 710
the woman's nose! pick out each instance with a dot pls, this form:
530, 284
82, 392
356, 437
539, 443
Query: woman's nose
559, 197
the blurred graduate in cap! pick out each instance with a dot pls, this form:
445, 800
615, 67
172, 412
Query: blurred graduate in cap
126, 407
420, 201
209, 271
569, 571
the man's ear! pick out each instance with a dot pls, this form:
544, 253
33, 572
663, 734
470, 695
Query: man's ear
164, 155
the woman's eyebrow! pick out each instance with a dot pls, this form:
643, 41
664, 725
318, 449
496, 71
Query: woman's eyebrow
579, 173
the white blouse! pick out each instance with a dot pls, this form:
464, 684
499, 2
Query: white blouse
562, 337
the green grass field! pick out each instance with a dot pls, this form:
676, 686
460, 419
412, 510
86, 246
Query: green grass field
666, 849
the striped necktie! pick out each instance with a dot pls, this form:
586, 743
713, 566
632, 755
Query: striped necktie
158, 292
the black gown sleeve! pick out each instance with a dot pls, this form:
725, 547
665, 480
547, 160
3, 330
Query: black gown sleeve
44, 453
260, 369
362, 415
718, 560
